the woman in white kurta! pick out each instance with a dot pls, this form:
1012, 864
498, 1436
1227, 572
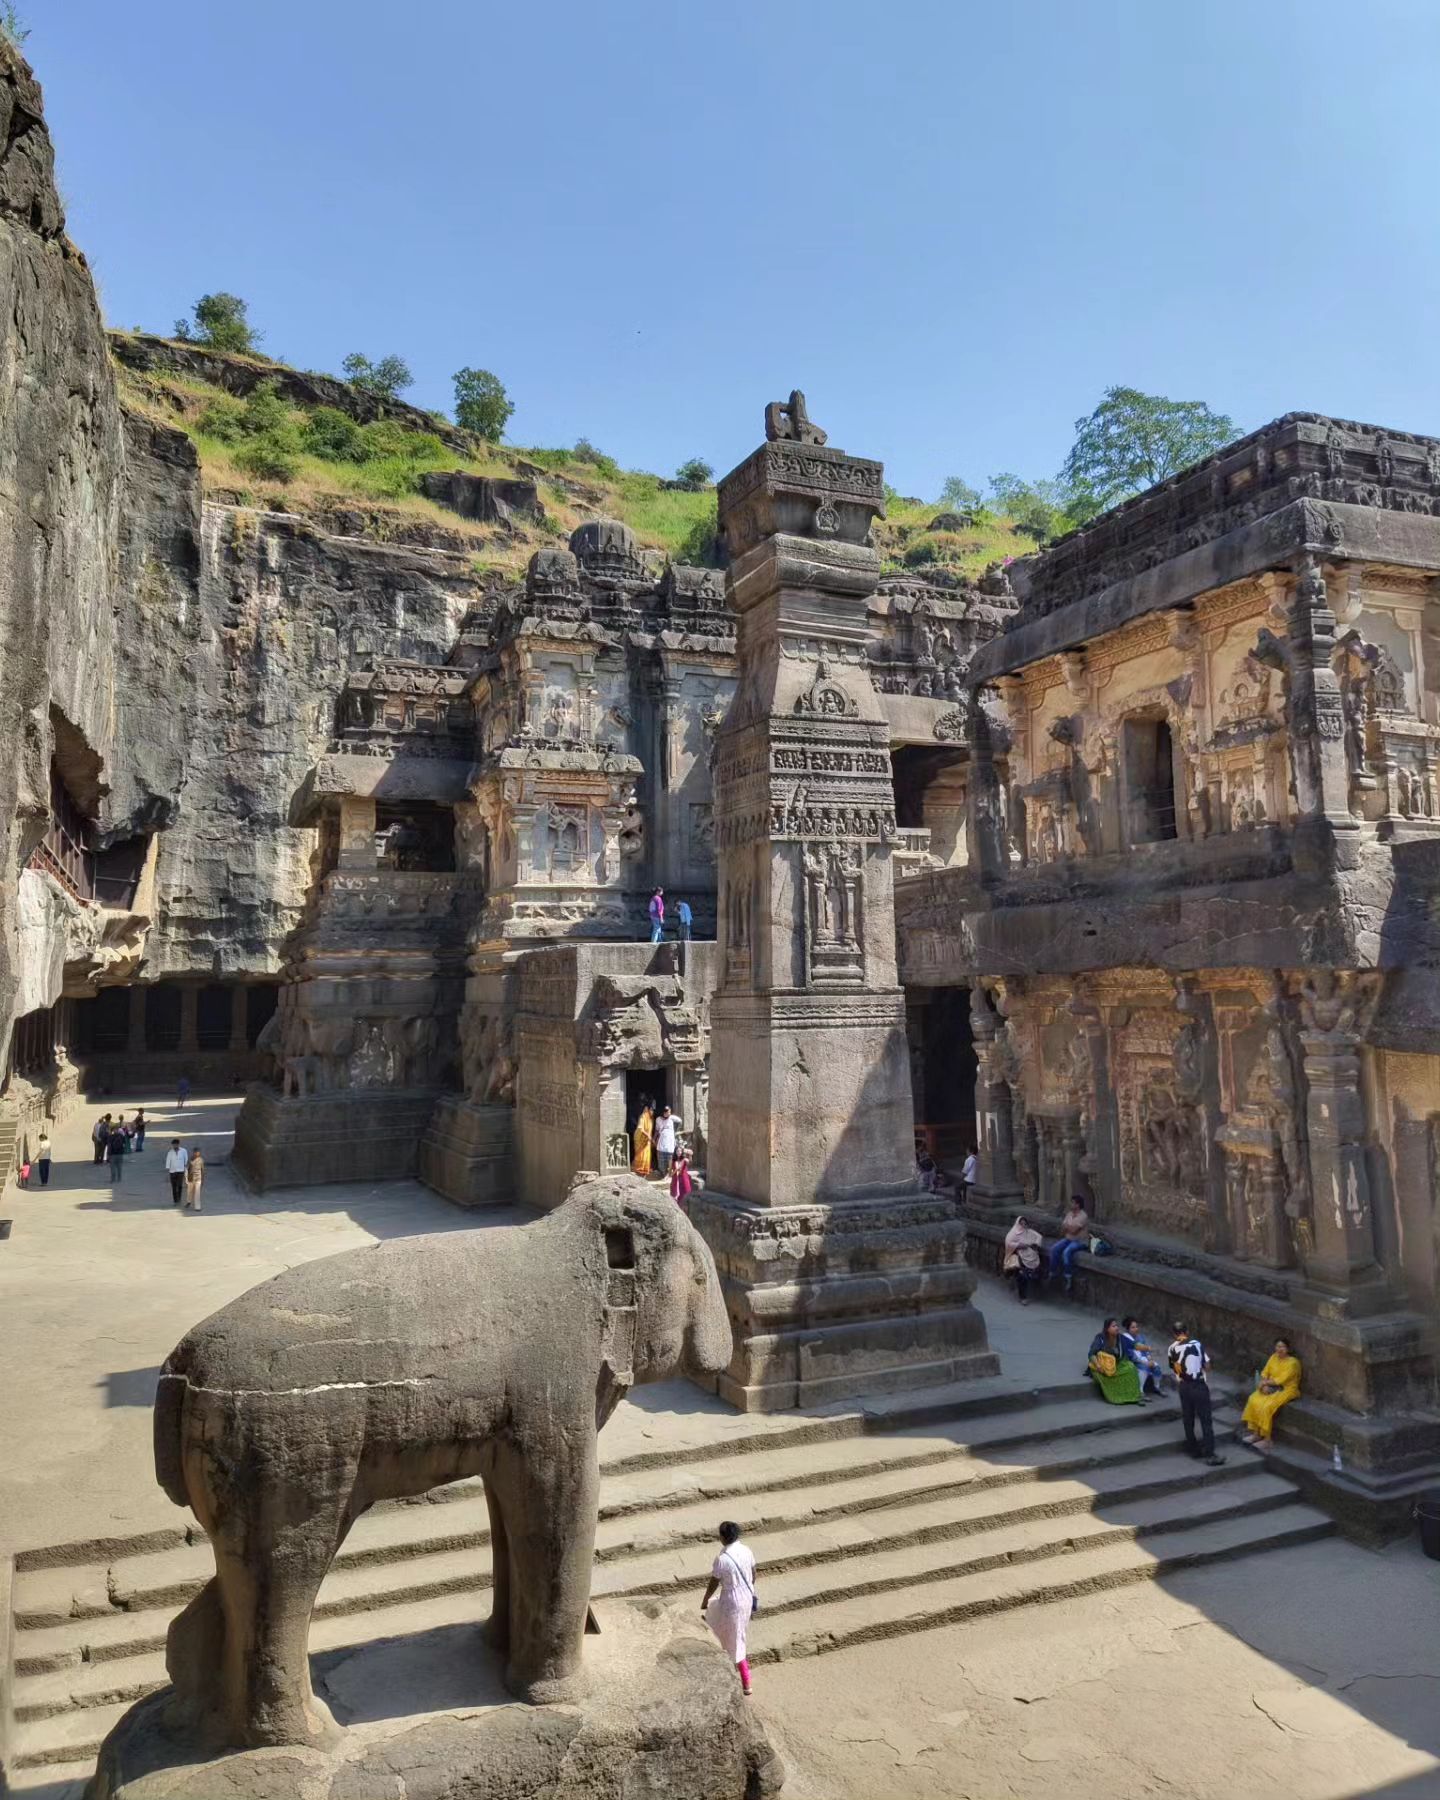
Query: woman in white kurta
732, 1588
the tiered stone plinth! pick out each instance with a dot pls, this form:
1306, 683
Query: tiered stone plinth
841, 1276
869, 1295
359, 1134
466, 1151
427, 1717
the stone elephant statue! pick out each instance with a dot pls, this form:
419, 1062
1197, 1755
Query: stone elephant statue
390, 1370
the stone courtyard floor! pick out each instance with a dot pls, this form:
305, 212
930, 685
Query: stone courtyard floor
1311, 1671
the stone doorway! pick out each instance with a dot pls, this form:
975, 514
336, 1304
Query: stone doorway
942, 1071
642, 1085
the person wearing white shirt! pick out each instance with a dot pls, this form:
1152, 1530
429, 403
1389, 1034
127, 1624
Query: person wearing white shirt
176, 1159
967, 1171
667, 1128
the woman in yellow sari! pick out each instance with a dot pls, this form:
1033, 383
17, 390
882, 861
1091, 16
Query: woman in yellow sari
1279, 1383
644, 1141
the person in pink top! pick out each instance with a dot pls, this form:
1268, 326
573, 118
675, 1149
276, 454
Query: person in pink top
680, 1182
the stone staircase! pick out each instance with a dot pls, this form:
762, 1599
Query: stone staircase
918, 1511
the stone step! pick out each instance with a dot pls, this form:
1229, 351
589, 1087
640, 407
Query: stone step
931, 1601
65, 1614
741, 1436
888, 1592
1147, 1494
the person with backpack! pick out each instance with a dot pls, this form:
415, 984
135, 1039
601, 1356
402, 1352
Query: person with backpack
1188, 1362
732, 1579
117, 1148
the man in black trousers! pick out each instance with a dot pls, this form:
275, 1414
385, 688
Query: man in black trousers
1189, 1363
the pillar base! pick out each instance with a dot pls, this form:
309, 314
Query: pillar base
355, 1134
467, 1152
833, 1300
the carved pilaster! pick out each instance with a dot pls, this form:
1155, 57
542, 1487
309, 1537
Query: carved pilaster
1340, 1264
985, 805
997, 1181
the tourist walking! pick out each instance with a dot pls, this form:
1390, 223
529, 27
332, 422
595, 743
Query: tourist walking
117, 1148
1074, 1230
182, 1093
1022, 1256
194, 1178
1134, 1349
686, 919
100, 1136
176, 1158
666, 1137
42, 1158
657, 915
640, 1162
138, 1128
968, 1170
732, 1588
1117, 1379
1278, 1385
1189, 1362
681, 1185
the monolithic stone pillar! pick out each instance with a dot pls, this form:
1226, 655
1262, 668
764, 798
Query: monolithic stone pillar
1340, 1266
842, 1275
189, 1019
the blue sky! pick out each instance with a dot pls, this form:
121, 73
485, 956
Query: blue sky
953, 225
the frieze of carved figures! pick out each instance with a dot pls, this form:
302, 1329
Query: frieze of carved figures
617, 1152
785, 1223
950, 727
1169, 1137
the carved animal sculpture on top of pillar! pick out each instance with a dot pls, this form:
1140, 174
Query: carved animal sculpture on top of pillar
389, 1371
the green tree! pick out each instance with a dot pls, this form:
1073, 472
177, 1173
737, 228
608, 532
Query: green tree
694, 475
1035, 507
481, 403
220, 323
386, 378
958, 495
1132, 440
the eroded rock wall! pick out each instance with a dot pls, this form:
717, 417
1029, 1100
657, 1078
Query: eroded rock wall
61, 461
282, 613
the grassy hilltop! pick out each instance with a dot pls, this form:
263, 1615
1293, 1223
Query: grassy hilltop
271, 449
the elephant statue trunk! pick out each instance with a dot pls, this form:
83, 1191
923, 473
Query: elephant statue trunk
390, 1370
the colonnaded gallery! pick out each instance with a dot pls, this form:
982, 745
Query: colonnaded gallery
1121, 866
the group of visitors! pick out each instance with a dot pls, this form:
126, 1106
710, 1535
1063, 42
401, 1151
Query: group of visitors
186, 1169
1023, 1244
1125, 1369
114, 1140
684, 918
660, 1150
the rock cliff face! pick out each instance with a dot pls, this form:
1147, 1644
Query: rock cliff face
61, 462
281, 613
180, 661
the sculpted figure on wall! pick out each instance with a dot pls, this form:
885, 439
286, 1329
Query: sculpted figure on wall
388, 1371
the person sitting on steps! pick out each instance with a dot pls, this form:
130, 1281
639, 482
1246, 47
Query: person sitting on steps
1074, 1234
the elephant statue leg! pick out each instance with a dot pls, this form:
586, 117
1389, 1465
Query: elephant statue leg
239, 1653
550, 1520
497, 1630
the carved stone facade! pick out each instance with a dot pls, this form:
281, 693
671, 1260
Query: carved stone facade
1198, 922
